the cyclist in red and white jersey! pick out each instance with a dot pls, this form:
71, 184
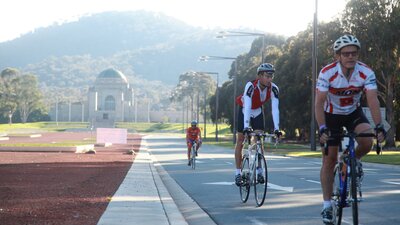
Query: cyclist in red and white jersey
250, 116
337, 104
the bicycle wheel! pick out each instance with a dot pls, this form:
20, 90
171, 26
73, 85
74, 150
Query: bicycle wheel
353, 190
260, 180
244, 188
337, 195
193, 157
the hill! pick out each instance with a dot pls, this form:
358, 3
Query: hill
145, 46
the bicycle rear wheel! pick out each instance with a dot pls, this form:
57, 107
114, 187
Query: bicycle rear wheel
244, 188
353, 188
193, 157
260, 180
337, 195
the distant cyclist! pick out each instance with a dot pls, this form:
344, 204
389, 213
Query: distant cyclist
339, 88
193, 134
250, 116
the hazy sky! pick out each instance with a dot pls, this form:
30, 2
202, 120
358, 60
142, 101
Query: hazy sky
285, 17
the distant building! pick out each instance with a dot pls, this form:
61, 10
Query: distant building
110, 99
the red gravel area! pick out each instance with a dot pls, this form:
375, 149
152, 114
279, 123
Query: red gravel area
61, 188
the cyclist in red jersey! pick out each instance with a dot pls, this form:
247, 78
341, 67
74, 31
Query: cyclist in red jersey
250, 116
337, 104
193, 134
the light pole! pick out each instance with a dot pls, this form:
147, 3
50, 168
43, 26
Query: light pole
314, 75
216, 103
206, 58
224, 34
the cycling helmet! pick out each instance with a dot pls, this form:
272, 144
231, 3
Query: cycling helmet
266, 67
194, 123
344, 41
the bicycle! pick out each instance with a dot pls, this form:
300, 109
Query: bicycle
193, 155
347, 176
254, 169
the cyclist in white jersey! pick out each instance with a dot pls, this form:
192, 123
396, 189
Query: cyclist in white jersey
337, 104
250, 116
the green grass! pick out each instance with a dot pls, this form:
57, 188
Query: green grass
224, 135
40, 126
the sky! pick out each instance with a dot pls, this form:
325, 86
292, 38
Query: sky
285, 17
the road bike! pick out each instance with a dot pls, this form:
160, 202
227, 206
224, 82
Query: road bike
254, 168
193, 154
347, 177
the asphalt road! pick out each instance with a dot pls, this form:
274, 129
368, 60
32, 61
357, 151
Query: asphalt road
294, 193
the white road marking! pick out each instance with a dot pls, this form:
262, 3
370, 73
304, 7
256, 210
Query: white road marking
314, 181
391, 182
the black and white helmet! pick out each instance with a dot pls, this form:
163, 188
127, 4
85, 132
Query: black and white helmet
266, 67
344, 41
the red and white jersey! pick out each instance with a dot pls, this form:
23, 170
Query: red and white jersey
344, 95
253, 99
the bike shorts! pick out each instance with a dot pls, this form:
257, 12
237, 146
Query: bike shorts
257, 123
336, 122
190, 143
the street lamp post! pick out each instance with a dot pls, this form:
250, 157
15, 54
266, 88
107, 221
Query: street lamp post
313, 80
224, 34
206, 58
216, 103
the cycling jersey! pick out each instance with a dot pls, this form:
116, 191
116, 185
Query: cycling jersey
253, 98
344, 95
192, 133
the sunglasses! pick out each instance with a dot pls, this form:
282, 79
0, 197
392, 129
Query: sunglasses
266, 74
347, 54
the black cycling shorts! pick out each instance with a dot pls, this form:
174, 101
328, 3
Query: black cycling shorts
336, 122
257, 123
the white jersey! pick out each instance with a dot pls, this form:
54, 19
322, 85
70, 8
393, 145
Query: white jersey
254, 97
344, 95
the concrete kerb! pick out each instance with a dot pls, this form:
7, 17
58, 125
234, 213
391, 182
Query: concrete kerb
142, 197
191, 211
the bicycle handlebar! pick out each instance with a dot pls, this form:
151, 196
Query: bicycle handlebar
256, 134
353, 135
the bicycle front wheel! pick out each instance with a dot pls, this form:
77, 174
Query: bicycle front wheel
337, 194
244, 188
353, 192
260, 180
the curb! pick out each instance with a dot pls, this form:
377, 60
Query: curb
191, 211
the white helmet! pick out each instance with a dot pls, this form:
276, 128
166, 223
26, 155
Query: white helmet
266, 67
344, 41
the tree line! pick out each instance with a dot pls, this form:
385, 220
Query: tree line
376, 23
20, 97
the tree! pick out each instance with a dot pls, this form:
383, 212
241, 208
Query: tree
192, 85
28, 97
9, 81
377, 24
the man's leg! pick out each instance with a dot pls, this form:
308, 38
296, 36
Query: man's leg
238, 158
188, 152
238, 149
364, 143
327, 178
